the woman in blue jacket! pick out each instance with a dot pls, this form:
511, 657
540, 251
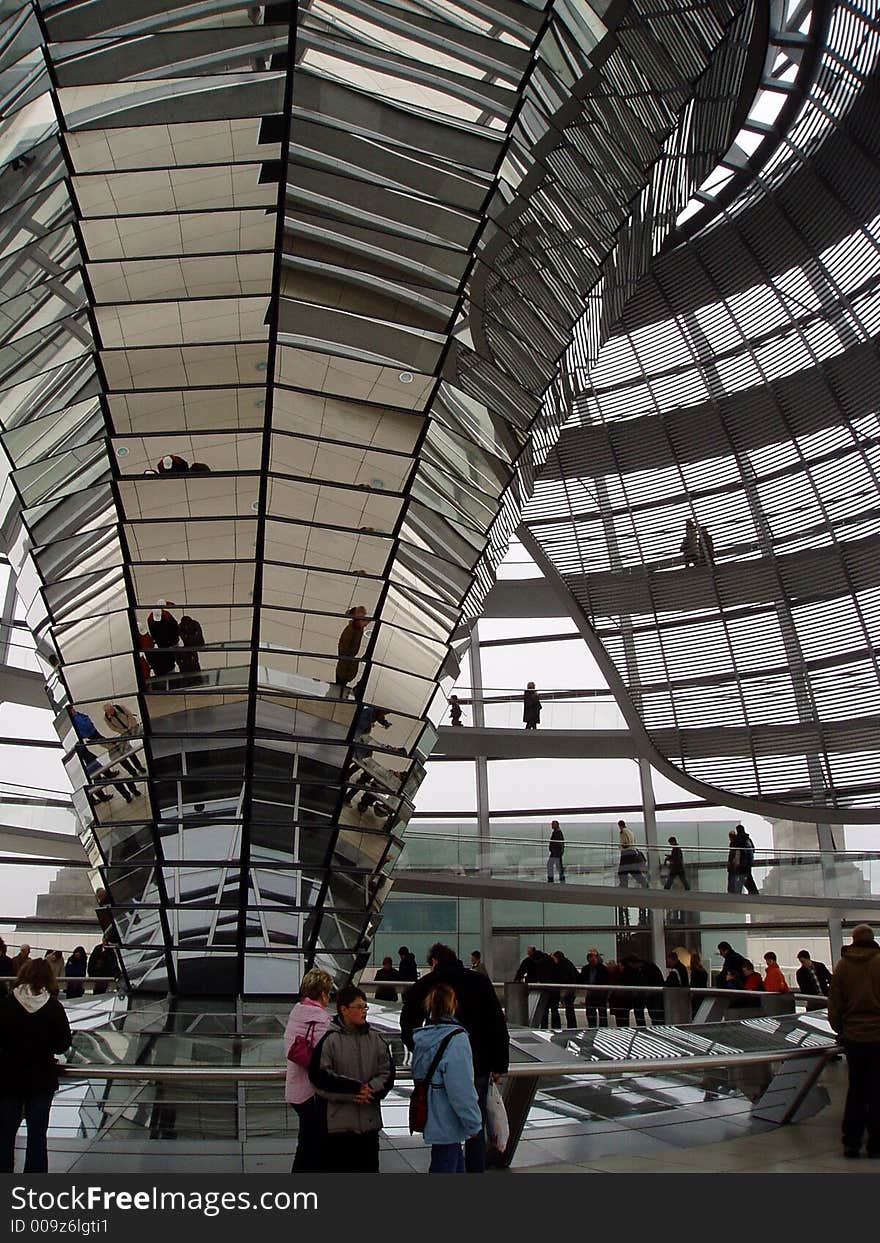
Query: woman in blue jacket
453, 1107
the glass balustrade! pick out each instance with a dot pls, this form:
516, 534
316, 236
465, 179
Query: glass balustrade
579, 710
775, 873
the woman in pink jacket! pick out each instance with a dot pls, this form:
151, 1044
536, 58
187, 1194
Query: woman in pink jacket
309, 1020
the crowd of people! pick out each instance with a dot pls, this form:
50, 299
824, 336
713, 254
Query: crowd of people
339, 1069
628, 979
70, 971
632, 866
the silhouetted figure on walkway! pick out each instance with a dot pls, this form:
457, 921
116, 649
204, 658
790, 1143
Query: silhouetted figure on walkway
632, 862
555, 851
745, 861
690, 545
531, 707
734, 881
675, 863
454, 710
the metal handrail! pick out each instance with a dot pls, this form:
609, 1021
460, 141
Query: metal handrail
69, 979
520, 1070
576, 986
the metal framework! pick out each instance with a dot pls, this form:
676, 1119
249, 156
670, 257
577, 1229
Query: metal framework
332, 252
739, 389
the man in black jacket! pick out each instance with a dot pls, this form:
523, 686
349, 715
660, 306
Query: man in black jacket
677, 974
650, 974
555, 851
675, 863
566, 973
408, 968
594, 971
813, 978
538, 968
479, 1012
733, 969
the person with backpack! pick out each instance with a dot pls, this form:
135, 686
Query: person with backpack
745, 848
307, 1023
443, 1061
480, 1013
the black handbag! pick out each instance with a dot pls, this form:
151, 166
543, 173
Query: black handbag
418, 1102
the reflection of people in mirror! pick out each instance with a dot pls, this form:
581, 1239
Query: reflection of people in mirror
190, 636
349, 645
165, 633
173, 464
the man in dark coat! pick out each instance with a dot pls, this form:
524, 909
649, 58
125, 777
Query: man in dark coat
854, 1013
675, 863
387, 972
650, 974
479, 1012
408, 968
566, 973
538, 968
555, 851
733, 970
531, 707
594, 971
812, 977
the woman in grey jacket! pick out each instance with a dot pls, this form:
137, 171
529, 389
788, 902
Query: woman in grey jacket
352, 1069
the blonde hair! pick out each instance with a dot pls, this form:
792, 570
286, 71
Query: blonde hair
316, 984
440, 1003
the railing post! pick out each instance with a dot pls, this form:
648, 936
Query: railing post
677, 1005
516, 1003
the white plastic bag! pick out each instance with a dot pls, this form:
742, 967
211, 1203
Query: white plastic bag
496, 1115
